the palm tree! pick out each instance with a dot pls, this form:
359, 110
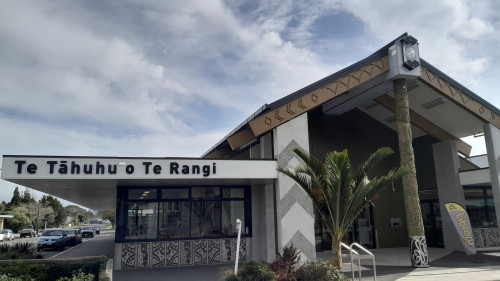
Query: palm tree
339, 192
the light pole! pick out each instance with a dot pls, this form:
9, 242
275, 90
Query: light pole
238, 228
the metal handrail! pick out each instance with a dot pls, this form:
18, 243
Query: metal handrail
347, 247
369, 254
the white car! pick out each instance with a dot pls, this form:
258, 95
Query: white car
1, 237
8, 234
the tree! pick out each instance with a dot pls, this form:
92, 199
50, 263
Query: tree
60, 214
16, 199
109, 215
414, 221
76, 213
38, 213
27, 198
339, 192
3, 207
20, 218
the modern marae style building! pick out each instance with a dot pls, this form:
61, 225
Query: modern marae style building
182, 211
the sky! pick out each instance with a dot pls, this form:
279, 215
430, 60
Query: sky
153, 78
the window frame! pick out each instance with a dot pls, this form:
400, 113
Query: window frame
485, 199
123, 201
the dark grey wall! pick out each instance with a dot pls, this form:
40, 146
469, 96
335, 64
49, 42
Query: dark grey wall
362, 135
424, 162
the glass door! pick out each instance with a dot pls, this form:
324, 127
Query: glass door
433, 225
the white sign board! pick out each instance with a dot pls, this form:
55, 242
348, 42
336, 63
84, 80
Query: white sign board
33, 167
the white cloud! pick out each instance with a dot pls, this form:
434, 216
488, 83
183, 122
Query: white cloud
448, 32
56, 70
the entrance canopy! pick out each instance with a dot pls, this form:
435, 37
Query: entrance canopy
93, 181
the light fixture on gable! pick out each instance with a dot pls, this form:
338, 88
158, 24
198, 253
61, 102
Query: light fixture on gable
404, 59
409, 47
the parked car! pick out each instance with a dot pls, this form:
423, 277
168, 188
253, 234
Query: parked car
97, 229
27, 231
1, 237
88, 231
8, 234
79, 231
73, 237
52, 238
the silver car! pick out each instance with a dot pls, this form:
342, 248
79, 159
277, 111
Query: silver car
8, 234
52, 238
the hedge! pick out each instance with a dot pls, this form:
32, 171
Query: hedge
49, 270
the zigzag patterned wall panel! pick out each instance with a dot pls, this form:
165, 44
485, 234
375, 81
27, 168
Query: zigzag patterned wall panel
295, 207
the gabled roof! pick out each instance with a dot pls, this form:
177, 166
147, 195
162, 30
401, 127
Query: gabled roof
337, 87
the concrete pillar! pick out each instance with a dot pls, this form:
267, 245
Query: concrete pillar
263, 223
295, 213
263, 243
446, 163
492, 139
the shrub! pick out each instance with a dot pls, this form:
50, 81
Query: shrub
20, 250
319, 270
255, 271
7, 278
26, 271
285, 264
230, 277
24, 248
81, 276
49, 270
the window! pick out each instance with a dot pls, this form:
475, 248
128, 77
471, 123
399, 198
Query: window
174, 219
175, 193
480, 206
142, 218
171, 213
205, 218
232, 210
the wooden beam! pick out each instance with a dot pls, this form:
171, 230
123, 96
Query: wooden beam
459, 97
241, 138
427, 126
318, 97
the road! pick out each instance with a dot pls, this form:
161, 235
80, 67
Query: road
101, 244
